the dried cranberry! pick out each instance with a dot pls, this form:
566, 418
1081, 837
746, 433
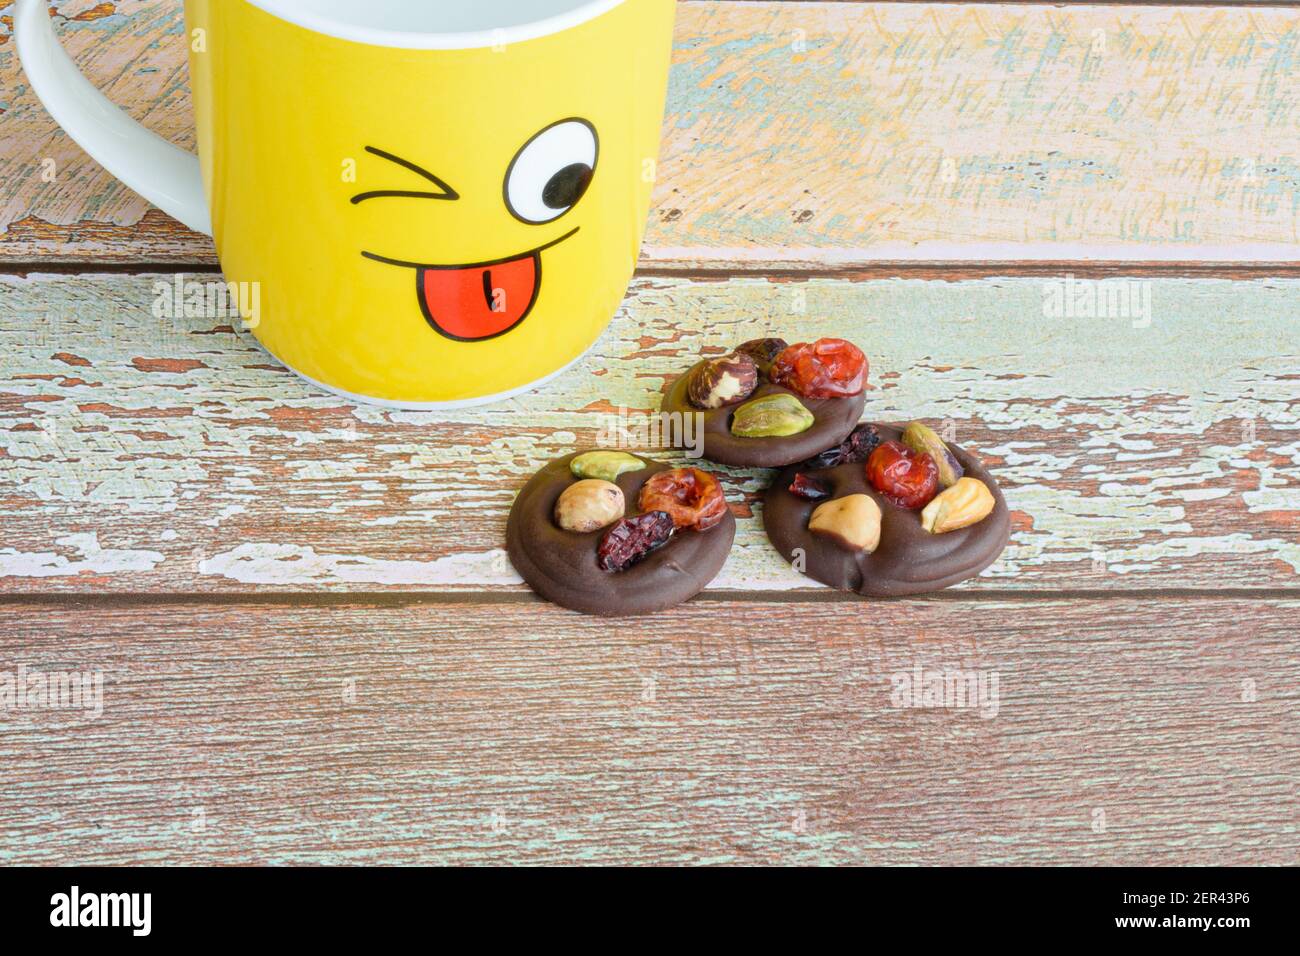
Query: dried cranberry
762, 351
907, 478
629, 540
809, 488
862, 441
692, 497
827, 368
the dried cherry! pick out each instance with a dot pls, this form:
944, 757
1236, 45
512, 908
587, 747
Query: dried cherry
629, 540
692, 497
827, 368
809, 488
862, 441
907, 478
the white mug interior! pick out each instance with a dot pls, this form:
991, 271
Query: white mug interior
440, 24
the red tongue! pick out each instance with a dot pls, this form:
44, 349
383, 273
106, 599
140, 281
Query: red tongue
480, 301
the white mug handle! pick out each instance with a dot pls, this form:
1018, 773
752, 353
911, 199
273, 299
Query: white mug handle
164, 174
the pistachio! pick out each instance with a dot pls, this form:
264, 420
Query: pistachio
589, 505
772, 416
722, 381
967, 502
853, 522
762, 351
922, 438
604, 464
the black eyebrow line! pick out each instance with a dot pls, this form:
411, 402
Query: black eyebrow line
447, 191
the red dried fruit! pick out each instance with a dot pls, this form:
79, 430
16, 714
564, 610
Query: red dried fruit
809, 488
827, 368
907, 478
629, 540
862, 441
692, 497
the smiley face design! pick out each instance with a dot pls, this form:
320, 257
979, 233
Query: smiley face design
546, 179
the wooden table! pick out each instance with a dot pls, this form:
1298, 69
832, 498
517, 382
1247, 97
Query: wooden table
314, 651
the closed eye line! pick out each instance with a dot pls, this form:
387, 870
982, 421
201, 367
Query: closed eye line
447, 191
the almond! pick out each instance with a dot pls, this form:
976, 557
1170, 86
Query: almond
967, 502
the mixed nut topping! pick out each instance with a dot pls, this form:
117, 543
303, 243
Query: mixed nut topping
680, 499
827, 368
918, 472
922, 472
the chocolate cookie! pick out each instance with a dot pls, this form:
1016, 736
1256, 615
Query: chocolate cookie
721, 392
908, 559
566, 566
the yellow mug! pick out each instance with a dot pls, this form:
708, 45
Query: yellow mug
437, 204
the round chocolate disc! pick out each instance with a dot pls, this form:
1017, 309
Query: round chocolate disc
834, 419
909, 559
561, 565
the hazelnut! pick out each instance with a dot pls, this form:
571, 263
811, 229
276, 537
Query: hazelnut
722, 381
853, 522
604, 464
762, 351
922, 438
589, 505
772, 416
967, 502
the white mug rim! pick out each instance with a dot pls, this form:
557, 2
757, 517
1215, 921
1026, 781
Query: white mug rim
463, 40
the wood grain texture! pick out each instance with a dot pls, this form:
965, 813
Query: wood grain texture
140, 454
55, 200
349, 720
1126, 732
828, 132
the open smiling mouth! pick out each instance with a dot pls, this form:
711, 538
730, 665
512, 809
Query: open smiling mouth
477, 300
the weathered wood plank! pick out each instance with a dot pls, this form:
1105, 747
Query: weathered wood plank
1125, 732
139, 454
54, 200
836, 132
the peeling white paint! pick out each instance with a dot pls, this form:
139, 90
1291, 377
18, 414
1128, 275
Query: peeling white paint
227, 512
283, 564
1098, 434
89, 558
